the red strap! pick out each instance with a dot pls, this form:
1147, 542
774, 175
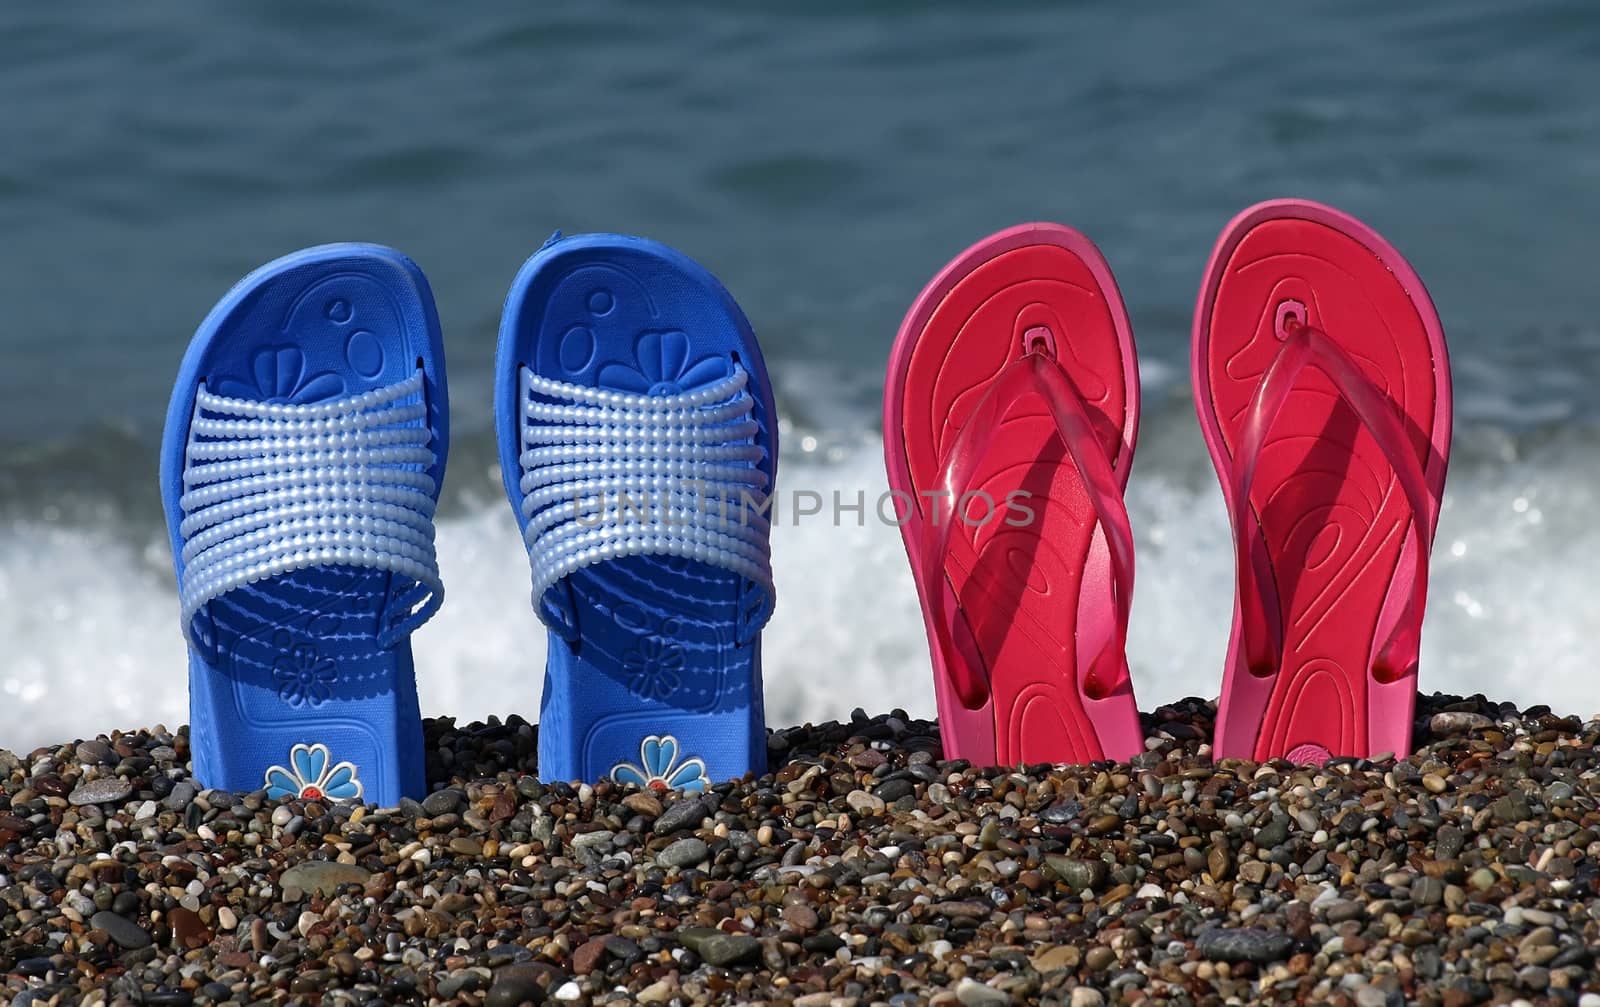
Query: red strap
1306, 346
1038, 373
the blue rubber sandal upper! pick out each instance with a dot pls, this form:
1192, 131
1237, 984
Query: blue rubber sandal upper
653, 672
294, 685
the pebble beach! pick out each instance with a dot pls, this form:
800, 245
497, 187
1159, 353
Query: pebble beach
862, 870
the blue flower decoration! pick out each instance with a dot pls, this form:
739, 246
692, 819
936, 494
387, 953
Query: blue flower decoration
660, 769
304, 676
309, 776
663, 367
654, 668
280, 376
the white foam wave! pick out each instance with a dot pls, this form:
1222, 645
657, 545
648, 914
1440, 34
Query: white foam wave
89, 622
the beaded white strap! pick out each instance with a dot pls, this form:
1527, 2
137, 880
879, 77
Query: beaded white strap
609, 474
273, 488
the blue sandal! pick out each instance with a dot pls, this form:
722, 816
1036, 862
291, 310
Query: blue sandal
300, 466
638, 445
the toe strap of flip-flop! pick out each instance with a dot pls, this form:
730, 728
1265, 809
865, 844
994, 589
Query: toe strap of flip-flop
1038, 373
609, 474
272, 488
1305, 346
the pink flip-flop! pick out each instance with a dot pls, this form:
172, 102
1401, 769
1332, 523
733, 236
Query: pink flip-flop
1323, 388
1011, 408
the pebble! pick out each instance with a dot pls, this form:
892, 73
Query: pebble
514, 985
456, 982
1458, 722
975, 994
589, 956
1246, 944
1533, 977
1426, 891
1450, 841
442, 802
644, 803
1220, 863
893, 790
1056, 958
124, 931
1371, 996
679, 815
1061, 813
323, 877
1078, 875
801, 916
188, 931
95, 753
718, 948
106, 790
183, 792
684, 853
863, 803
